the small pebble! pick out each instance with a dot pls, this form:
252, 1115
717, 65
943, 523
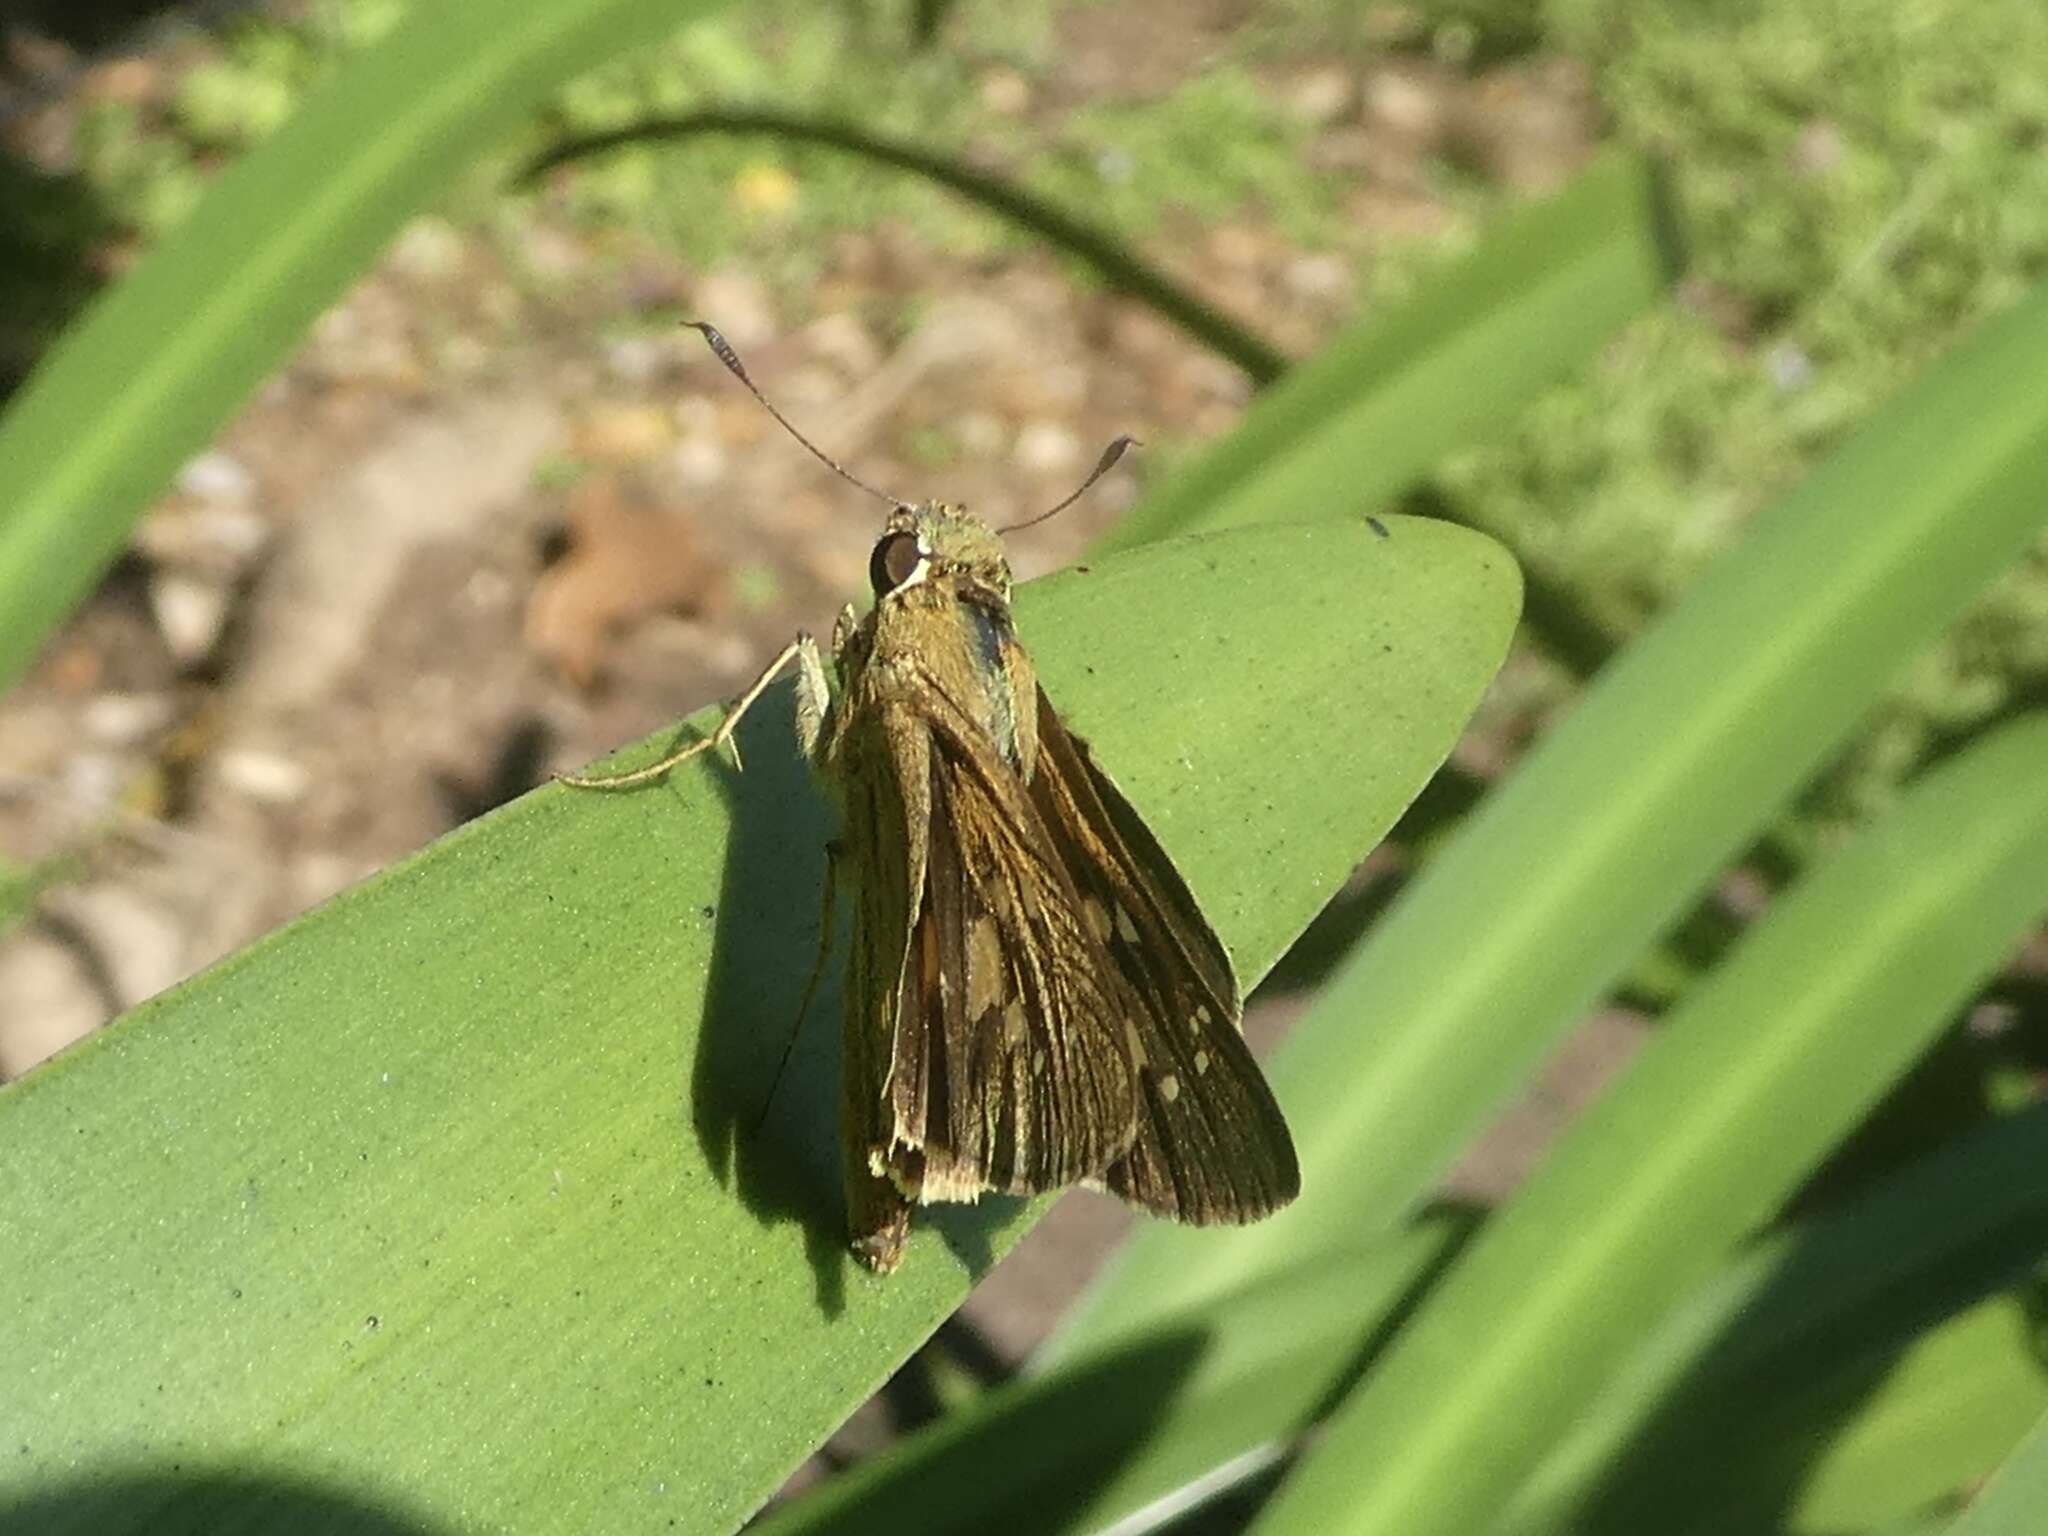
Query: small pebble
217, 477
270, 777
123, 719
191, 611
1322, 95
1005, 92
698, 460
737, 303
1046, 447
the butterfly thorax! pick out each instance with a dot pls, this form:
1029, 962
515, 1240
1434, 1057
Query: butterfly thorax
941, 634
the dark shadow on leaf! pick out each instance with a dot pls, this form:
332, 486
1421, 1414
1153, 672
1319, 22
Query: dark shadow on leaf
1025, 1469
128, 1501
48, 227
1737, 1439
784, 1164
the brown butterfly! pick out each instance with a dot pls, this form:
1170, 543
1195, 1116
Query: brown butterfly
1033, 998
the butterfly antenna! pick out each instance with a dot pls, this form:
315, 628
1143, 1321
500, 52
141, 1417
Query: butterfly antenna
722, 349
1102, 467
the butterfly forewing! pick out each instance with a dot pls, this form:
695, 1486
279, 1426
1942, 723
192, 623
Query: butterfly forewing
1211, 1144
1008, 1065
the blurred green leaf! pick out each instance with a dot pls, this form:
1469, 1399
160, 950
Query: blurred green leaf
1759, 1380
1221, 1385
162, 360
2012, 1503
1346, 432
1944, 1416
1753, 1379
1682, 751
1765, 1065
444, 1193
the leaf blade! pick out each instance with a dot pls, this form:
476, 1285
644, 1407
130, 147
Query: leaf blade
1676, 758
1381, 406
1766, 1064
447, 1188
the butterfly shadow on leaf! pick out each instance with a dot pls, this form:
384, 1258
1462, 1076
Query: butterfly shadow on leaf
784, 1164
783, 1167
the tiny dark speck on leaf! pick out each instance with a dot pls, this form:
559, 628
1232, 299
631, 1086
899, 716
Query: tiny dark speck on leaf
1378, 527
1083, 569
236, 1293
372, 1323
710, 912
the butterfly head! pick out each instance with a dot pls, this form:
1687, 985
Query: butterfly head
938, 545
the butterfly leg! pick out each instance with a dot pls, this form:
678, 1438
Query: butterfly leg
803, 650
813, 696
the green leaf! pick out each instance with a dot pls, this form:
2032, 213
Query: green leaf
2012, 1504
161, 361
1760, 1381
1940, 1420
1755, 1368
1219, 1386
1766, 1065
446, 1195
1346, 432
1680, 754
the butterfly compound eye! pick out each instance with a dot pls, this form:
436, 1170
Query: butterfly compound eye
894, 562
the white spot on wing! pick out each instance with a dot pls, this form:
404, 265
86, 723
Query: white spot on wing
1125, 928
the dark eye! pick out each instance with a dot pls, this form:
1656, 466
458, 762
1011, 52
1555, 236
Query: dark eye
895, 561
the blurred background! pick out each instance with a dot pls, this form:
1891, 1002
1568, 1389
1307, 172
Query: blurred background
501, 513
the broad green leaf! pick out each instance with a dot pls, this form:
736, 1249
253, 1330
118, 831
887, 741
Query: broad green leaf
1756, 1380
1766, 1065
163, 358
446, 1195
1679, 755
1220, 1386
2011, 1505
1949, 1410
1349, 430
1756, 1362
